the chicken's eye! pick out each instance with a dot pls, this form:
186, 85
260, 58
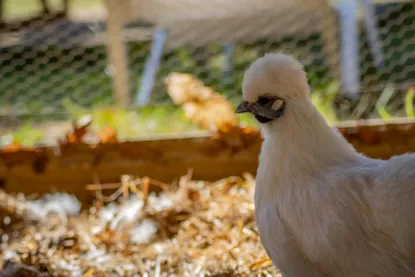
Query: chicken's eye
264, 100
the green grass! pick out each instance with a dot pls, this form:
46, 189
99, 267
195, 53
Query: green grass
26, 135
387, 94
382, 102
381, 105
135, 123
147, 121
153, 120
409, 103
323, 100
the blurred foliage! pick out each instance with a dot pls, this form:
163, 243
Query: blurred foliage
74, 89
324, 100
90, 85
134, 123
395, 21
381, 105
148, 121
409, 103
26, 135
383, 100
81, 73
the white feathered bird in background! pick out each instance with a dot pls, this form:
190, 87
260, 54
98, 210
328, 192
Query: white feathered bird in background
322, 209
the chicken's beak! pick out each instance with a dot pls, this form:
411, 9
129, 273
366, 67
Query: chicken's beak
244, 107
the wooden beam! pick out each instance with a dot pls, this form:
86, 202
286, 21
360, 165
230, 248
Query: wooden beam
1, 11
117, 54
65, 8
72, 167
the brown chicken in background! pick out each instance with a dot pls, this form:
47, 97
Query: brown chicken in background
204, 106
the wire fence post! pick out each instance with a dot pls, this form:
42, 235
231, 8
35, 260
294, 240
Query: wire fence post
151, 67
228, 66
349, 47
373, 32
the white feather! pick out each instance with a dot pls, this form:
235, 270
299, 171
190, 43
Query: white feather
60, 203
322, 209
128, 212
143, 232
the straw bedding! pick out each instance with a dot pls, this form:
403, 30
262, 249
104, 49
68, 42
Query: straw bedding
140, 227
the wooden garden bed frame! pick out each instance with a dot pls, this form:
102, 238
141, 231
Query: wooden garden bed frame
71, 167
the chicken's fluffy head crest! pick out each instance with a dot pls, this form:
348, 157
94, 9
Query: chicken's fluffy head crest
270, 83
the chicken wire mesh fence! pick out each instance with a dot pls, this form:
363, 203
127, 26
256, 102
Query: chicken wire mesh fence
56, 62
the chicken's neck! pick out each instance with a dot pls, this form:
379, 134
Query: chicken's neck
298, 145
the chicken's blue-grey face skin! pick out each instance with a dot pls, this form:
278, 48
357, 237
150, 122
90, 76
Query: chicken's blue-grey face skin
265, 109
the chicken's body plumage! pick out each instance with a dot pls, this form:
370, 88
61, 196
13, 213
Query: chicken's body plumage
322, 209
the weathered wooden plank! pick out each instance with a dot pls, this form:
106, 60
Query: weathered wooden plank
71, 167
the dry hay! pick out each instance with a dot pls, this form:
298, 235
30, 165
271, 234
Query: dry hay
145, 228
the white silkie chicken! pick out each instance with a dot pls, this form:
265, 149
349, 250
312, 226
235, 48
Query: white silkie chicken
321, 208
